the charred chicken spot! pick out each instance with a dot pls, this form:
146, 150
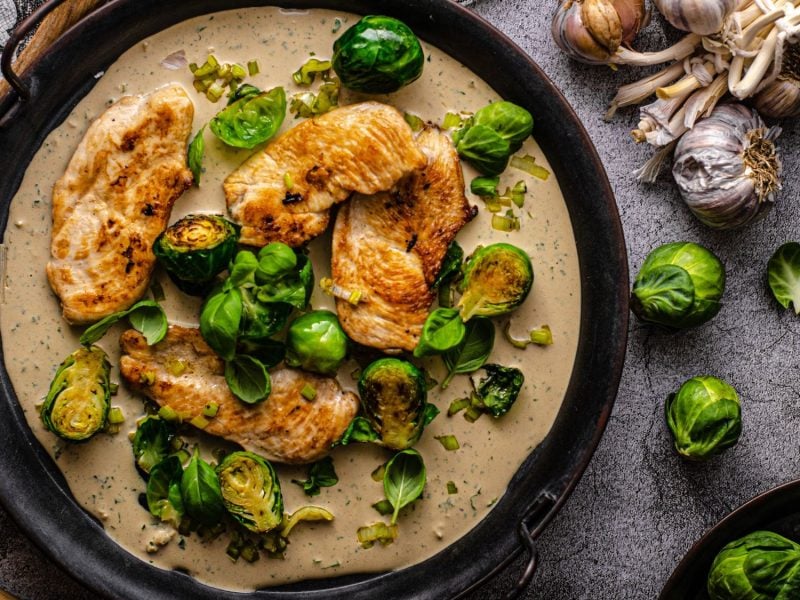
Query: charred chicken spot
412, 242
148, 210
317, 176
292, 198
129, 141
473, 212
128, 253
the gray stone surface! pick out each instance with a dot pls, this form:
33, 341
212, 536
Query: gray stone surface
638, 508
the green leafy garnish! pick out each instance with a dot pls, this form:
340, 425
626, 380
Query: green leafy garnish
195, 155
251, 120
146, 316
404, 480
472, 352
201, 492
248, 379
320, 474
443, 330
220, 318
164, 499
152, 442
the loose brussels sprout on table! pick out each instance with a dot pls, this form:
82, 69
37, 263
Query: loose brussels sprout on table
378, 55
680, 285
196, 249
704, 416
77, 404
251, 491
394, 399
759, 566
316, 342
497, 279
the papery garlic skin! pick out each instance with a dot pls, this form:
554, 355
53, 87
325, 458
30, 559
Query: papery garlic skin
704, 17
591, 31
780, 99
727, 168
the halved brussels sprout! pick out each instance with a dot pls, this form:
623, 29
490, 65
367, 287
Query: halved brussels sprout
704, 417
378, 55
760, 565
497, 279
77, 403
251, 491
196, 249
393, 397
316, 342
680, 285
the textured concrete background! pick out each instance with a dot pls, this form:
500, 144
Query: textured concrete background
638, 508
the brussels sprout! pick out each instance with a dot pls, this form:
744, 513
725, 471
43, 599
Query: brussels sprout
163, 493
393, 397
196, 249
497, 279
251, 491
152, 442
492, 135
704, 416
316, 342
680, 285
500, 389
759, 566
251, 120
77, 404
378, 55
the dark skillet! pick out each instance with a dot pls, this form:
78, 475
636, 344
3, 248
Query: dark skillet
31, 486
777, 510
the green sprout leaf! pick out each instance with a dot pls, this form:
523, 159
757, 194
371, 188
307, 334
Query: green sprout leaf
195, 155
201, 492
472, 352
443, 330
321, 474
147, 317
163, 494
404, 480
783, 271
248, 379
219, 321
251, 120
359, 431
152, 442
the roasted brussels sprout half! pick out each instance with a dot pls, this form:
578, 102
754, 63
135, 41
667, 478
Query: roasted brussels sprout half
316, 342
377, 55
680, 285
196, 249
251, 491
497, 279
393, 398
759, 566
77, 404
704, 416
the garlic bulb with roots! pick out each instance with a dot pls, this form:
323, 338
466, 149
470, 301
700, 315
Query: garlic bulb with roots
727, 168
781, 98
592, 31
704, 17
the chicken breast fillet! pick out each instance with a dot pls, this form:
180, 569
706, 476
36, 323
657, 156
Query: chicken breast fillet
284, 193
184, 373
390, 247
113, 201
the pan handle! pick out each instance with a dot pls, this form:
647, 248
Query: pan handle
530, 527
22, 29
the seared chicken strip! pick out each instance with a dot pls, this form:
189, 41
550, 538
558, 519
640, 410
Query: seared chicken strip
184, 373
113, 201
390, 248
284, 193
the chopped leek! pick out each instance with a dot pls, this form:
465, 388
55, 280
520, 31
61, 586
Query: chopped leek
528, 164
509, 222
415, 122
542, 336
306, 513
485, 186
210, 410
115, 416
306, 74
452, 120
384, 507
457, 406
308, 392
451, 488
377, 532
448, 442
252, 67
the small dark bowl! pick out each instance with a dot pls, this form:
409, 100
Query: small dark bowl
777, 510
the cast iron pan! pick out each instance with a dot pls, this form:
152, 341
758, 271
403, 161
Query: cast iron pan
777, 510
32, 488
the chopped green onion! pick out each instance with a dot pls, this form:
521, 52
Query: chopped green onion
201, 85
208, 68
518, 193
449, 442
451, 488
485, 186
528, 164
157, 290
451, 120
472, 414
210, 410
238, 72
193, 68
175, 366
332, 289
415, 122
233, 550
306, 74
377, 474
249, 552
308, 105
113, 388
225, 72
384, 507
377, 532
169, 414
199, 421
505, 223
308, 392
288, 181
457, 406
115, 416
252, 67
542, 336
214, 92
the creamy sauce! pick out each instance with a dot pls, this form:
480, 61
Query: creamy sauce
101, 474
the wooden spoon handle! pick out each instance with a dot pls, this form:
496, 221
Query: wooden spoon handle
53, 25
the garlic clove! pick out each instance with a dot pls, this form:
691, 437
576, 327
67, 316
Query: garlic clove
591, 31
780, 99
704, 17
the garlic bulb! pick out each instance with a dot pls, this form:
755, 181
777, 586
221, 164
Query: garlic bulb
591, 31
727, 168
704, 17
781, 98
